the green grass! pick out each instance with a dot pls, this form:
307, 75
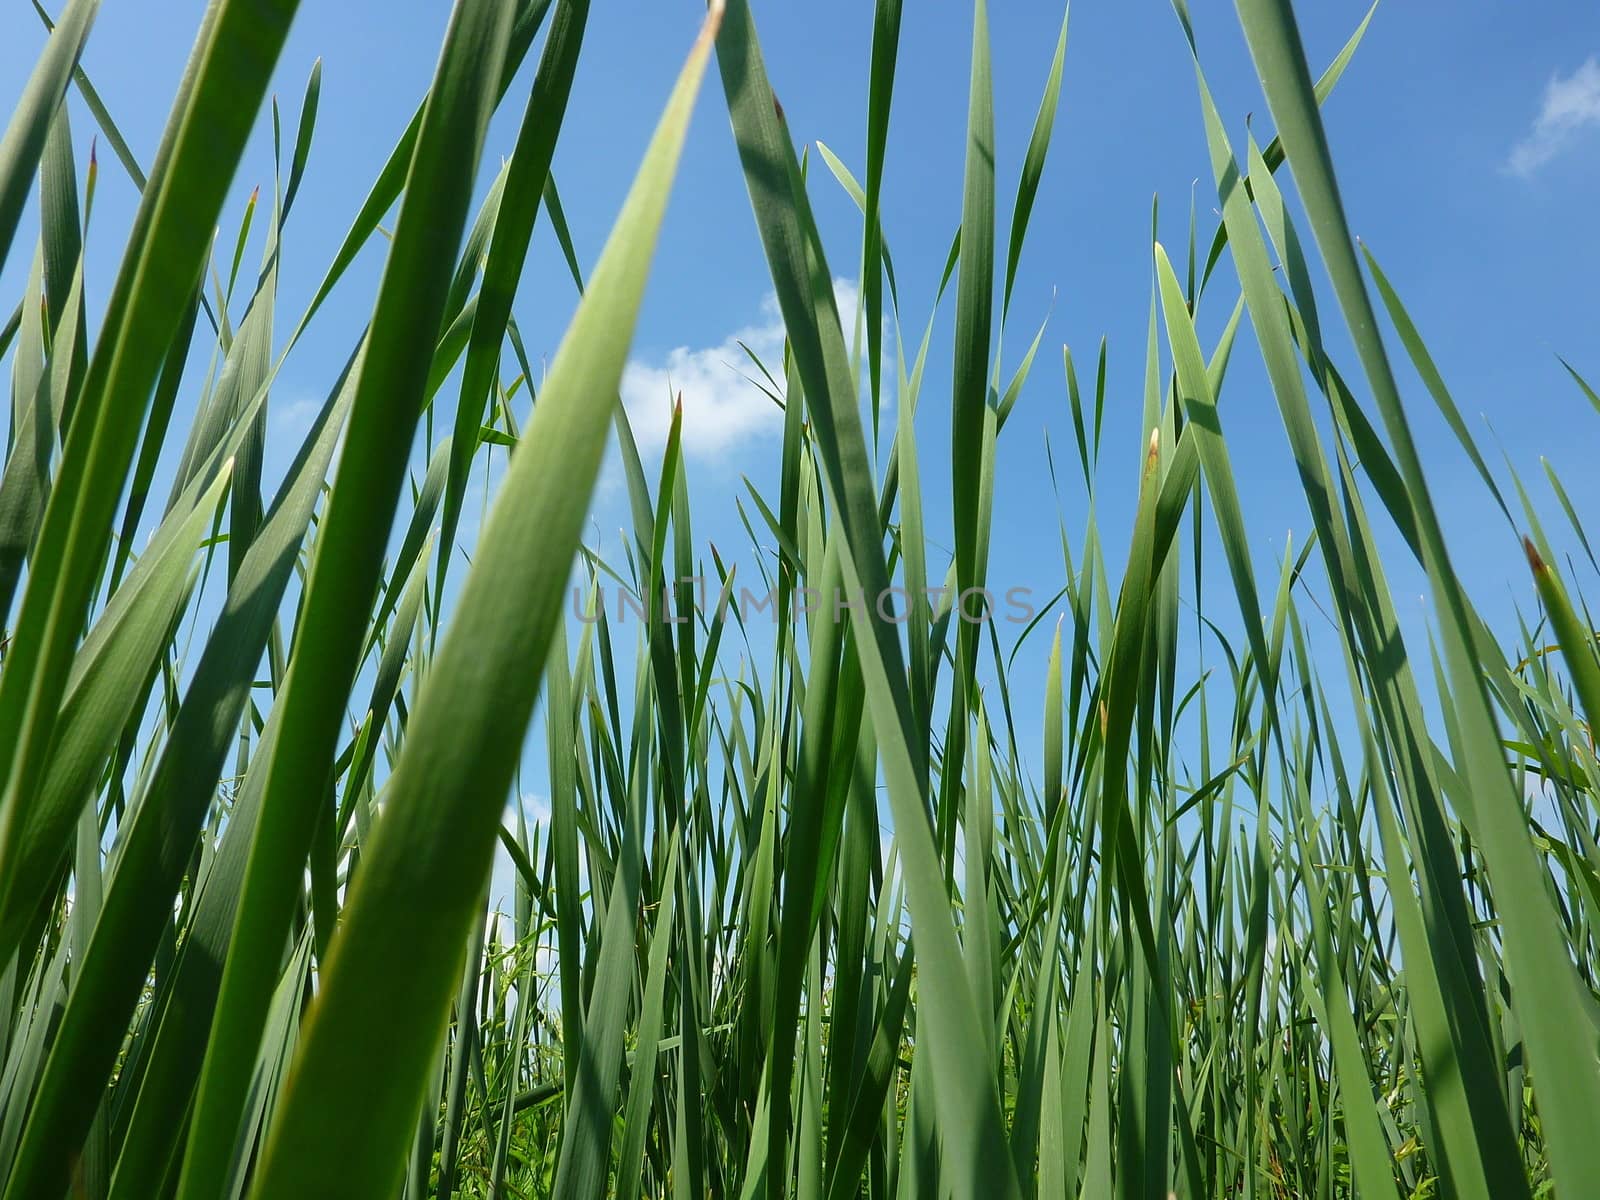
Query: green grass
808, 917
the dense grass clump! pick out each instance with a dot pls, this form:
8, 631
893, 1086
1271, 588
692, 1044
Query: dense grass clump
807, 918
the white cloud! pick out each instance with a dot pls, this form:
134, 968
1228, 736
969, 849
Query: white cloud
722, 407
1571, 104
502, 883
291, 418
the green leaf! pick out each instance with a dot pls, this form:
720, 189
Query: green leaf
437, 832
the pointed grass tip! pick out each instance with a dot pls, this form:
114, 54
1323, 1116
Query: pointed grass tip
1535, 562
714, 9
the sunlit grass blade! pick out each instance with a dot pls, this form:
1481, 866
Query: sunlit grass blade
464, 736
232, 61
29, 127
343, 578
1549, 995
974, 1143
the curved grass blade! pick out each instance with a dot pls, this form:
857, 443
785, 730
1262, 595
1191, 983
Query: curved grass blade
29, 128
344, 572
437, 832
227, 75
1549, 997
974, 1148
156, 843
525, 180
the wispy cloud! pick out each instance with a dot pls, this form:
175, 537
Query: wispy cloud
291, 416
1571, 105
724, 405
503, 878
291, 412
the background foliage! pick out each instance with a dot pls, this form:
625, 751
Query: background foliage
803, 920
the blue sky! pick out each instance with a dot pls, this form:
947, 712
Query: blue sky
1467, 138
